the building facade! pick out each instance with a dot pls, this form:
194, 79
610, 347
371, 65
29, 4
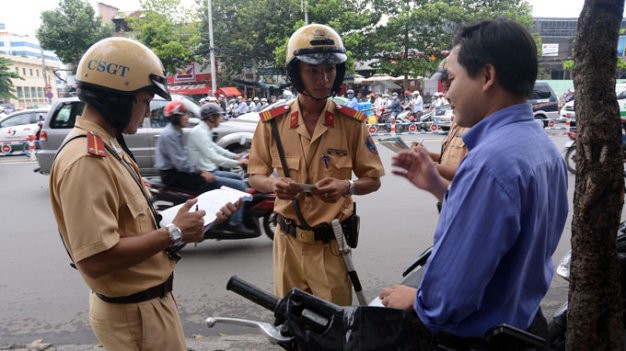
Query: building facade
557, 44
38, 86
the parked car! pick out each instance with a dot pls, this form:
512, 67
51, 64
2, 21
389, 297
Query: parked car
438, 120
569, 109
18, 126
233, 135
545, 103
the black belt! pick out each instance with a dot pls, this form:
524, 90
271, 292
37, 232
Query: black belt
156, 291
321, 232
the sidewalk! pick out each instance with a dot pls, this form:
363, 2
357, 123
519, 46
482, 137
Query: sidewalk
243, 342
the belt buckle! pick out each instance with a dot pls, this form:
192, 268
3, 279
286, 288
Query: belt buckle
305, 235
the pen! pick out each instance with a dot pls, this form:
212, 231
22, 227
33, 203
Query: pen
325, 158
421, 142
196, 207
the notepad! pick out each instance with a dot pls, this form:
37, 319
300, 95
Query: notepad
211, 202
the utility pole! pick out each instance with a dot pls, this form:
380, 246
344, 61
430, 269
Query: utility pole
44, 73
305, 4
211, 48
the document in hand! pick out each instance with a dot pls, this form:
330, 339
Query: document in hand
394, 144
210, 201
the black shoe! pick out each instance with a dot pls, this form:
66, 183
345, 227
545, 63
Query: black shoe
237, 229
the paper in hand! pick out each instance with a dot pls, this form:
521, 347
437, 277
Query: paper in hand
394, 144
211, 202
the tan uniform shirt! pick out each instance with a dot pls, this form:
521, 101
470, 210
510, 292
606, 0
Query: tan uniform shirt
96, 201
340, 145
453, 148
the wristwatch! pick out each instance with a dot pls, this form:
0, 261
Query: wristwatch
176, 236
351, 188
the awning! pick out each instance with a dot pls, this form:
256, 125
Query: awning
190, 89
228, 91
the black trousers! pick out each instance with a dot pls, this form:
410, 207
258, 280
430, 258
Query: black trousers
186, 182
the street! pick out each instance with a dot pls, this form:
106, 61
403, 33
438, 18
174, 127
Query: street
42, 297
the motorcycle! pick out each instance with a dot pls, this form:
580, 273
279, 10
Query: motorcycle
261, 207
570, 151
557, 326
305, 322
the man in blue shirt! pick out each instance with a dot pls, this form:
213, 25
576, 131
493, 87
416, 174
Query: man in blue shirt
505, 209
172, 160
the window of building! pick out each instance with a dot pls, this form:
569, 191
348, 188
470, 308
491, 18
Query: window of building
37, 71
40, 92
20, 93
23, 71
26, 93
33, 92
17, 70
31, 72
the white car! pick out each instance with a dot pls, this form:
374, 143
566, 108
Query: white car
568, 110
17, 127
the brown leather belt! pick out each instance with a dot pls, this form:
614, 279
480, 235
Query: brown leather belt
156, 291
321, 232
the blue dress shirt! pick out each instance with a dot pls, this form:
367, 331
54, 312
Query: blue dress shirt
501, 221
171, 153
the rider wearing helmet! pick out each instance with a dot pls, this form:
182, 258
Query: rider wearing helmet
323, 144
208, 156
102, 209
352, 102
172, 160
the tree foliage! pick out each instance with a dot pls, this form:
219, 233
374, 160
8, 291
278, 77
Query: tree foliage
71, 29
251, 33
419, 34
170, 30
6, 74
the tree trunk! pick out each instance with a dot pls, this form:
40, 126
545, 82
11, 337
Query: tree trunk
595, 306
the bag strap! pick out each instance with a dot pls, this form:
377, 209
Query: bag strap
283, 162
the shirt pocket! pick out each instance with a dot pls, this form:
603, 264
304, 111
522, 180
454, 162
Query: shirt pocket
293, 163
340, 166
140, 220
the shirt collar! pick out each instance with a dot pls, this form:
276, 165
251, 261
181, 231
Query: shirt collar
511, 114
327, 116
91, 126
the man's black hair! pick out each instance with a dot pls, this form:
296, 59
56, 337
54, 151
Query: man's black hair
504, 44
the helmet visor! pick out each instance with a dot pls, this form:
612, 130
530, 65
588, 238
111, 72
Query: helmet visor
327, 58
160, 86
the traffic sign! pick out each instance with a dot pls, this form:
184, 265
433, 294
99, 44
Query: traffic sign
6, 148
49, 95
412, 128
372, 129
433, 127
551, 124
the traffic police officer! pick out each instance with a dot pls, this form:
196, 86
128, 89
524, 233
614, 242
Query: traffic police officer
103, 210
323, 145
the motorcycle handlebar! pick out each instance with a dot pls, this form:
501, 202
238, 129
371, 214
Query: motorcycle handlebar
252, 293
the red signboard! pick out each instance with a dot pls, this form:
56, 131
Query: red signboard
190, 89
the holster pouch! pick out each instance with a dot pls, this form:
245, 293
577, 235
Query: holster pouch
351, 230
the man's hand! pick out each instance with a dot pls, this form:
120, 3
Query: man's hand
401, 297
418, 168
226, 211
190, 223
244, 161
285, 188
208, 176
331, 189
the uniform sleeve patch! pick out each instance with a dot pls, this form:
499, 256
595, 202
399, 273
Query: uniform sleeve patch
351, 113
273, 113
95, 145
369, 142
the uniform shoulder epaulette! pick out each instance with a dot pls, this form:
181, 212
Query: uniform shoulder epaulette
95, 145
273, 113
347, 111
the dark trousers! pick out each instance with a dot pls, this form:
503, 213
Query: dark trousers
187, 182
